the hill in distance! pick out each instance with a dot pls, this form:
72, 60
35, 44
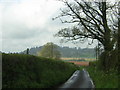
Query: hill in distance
67, 52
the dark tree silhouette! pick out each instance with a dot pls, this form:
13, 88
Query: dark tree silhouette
27, 51
119, 33
95, 20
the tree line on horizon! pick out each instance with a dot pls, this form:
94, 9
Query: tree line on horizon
66, 52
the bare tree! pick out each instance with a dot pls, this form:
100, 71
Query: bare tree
95, 20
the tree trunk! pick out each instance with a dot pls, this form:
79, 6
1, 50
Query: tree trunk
107, 42
118, 32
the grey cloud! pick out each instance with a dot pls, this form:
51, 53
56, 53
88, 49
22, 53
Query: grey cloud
20, 31
19, 34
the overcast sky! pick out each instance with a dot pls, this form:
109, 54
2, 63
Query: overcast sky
28, 23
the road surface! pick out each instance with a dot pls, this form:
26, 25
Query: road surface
79, 79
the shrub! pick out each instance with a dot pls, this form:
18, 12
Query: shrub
27, 71
103, 79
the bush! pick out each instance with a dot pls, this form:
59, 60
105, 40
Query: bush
108, 60
27, 71
103, 79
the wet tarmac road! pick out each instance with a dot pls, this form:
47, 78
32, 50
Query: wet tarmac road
79, 79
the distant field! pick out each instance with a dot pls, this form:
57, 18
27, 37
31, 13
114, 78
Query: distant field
78, 61
86, 59
81, 63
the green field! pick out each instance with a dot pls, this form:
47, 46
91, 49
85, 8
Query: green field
27, 71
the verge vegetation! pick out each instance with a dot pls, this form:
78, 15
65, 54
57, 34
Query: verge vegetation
27, 71
102, 79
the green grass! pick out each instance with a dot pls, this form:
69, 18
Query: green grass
103, 79
27, 71
82, 67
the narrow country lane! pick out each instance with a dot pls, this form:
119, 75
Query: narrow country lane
79, 79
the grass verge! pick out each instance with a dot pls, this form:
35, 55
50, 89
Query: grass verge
103, 79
